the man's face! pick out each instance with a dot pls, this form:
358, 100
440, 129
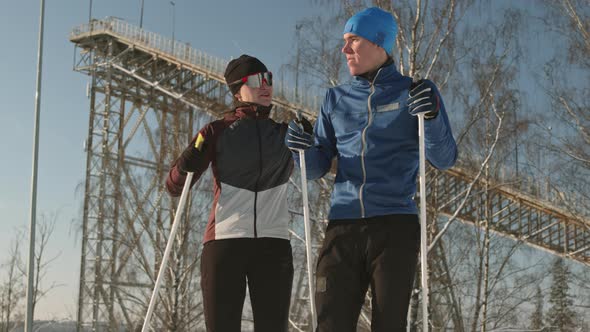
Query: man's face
362, 56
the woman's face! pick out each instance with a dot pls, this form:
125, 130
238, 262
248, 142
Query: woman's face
261, 95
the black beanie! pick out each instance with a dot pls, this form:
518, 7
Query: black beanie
241, 67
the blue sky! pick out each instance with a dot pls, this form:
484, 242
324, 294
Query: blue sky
221, 28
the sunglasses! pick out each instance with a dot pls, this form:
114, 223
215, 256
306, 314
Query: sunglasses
255, 80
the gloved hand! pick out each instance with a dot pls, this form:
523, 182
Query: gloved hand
299, 135
192, 157
423, 99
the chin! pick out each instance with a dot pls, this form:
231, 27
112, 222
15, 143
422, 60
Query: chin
354, 71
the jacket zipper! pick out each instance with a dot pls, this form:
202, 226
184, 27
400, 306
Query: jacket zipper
259, 174
364, 144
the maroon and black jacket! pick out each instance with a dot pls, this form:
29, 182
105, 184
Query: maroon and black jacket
251, 167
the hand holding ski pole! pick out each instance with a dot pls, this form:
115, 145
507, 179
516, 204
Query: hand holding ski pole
163, 265
423, 99
423, 103
299, 134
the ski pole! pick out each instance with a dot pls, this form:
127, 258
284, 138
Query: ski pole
181, 203
306, 224
423, 240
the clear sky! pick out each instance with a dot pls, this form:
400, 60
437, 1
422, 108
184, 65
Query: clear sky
221, 28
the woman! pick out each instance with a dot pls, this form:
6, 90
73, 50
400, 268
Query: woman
246, 239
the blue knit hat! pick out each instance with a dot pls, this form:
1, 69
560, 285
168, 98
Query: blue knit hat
375, 25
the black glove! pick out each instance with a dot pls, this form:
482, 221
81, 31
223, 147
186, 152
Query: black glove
299, 135
192, 157
423, 99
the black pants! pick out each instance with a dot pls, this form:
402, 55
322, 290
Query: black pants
266, 264
380, 252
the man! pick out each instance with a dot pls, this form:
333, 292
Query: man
369, 124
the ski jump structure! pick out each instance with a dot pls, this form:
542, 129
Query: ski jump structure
146, 91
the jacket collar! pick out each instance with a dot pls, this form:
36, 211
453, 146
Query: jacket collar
386, 73
252, 111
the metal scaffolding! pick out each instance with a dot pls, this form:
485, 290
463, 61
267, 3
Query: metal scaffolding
515, 214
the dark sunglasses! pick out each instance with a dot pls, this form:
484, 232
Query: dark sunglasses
255, 80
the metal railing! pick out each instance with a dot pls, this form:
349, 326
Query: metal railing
182, 52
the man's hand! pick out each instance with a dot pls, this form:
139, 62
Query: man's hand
423, 99
299, 135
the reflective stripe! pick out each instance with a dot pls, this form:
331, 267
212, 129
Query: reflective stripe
364, 141
387, 108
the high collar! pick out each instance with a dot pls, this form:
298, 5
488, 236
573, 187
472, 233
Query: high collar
253, 111
385, 73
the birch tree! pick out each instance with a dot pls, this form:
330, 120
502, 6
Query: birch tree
12, 290
566, 82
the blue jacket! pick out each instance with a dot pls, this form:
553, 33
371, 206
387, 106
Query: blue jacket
367, 127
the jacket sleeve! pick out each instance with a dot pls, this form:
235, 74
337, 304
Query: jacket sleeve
318, 158
176, 178
441, 148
